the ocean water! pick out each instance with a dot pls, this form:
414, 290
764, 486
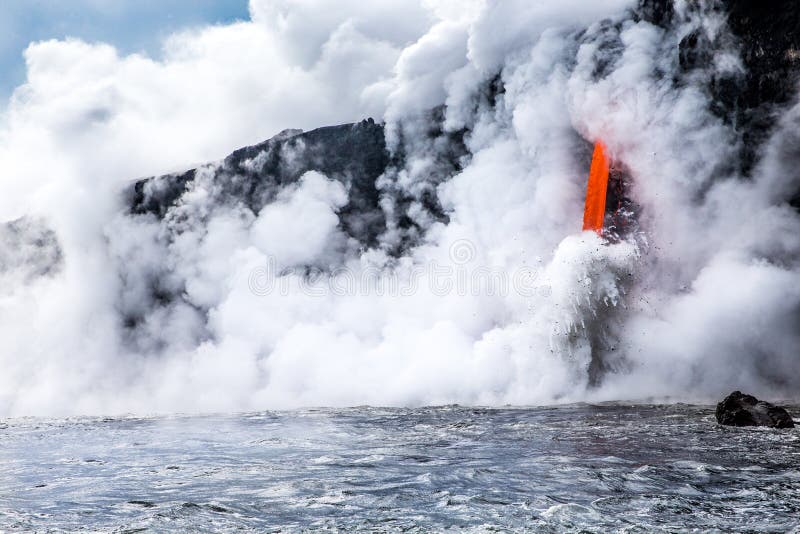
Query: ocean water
593, 468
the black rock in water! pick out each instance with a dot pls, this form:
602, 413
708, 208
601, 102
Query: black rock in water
739, 409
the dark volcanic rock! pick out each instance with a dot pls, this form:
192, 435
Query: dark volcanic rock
765, 35
769, 32
739, 409
769, 35
658, 12
385, 201
354, 154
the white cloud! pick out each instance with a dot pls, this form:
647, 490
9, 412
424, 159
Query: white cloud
89, 120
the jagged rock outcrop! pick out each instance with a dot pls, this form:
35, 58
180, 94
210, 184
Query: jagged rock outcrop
769, 40
354, 154
738, 409
766, 36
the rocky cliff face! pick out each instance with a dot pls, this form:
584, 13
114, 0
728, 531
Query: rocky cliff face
750, 97
767, 35
354, 154
390, 204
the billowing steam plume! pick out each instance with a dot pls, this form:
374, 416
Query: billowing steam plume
431, 255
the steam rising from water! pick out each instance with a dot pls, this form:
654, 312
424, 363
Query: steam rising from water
702, 298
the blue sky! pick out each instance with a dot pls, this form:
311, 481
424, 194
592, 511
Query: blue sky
130, 25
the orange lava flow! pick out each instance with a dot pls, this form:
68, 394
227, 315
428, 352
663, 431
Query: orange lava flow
595, 211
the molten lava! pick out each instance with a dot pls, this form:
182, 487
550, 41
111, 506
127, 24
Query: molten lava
595, 210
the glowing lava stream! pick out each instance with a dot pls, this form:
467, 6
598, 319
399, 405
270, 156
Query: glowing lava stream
595, 210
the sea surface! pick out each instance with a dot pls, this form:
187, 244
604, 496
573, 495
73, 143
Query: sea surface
590, 468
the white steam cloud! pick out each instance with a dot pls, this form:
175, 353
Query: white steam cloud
705, 297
